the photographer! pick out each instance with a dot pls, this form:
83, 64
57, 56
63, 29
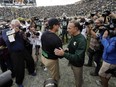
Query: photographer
108, 40
108, 16
34, 38
19, 55
93, 16
38, 23
95, 47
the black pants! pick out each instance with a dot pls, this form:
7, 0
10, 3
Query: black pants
96, 56
5, 63
19, 58
64, 34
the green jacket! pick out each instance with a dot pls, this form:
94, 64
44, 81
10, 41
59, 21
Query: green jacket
77, 48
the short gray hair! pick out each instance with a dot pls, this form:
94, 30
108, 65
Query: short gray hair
15, 21
77, 24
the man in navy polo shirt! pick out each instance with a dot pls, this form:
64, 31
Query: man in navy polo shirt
15, 43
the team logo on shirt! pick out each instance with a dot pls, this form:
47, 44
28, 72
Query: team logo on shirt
74, 43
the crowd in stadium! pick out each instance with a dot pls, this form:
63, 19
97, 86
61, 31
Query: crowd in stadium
79, 8
30, 32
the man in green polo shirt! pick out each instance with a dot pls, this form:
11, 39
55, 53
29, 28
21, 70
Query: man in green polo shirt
75, 52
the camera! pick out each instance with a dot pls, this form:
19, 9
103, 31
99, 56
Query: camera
89, 22
106, 13
23, 29
36, 33
28, 34
112, 25
50, 83
92, 14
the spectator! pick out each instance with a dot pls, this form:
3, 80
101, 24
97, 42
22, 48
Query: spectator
95, 48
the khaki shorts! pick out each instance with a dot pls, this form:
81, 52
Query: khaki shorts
53, 67
104, 68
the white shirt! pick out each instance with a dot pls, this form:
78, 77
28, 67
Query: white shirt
35, 40
84, 33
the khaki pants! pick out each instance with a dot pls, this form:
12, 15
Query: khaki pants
78, 74
53, 67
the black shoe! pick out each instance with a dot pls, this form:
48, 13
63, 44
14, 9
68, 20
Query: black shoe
20, 85
87, 65
93, 74
33, 74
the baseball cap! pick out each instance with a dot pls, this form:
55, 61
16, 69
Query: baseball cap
53, 21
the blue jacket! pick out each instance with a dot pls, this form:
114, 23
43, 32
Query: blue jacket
109, 54
17, 45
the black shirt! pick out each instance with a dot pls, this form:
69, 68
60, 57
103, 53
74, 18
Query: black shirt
64, 24
50, 41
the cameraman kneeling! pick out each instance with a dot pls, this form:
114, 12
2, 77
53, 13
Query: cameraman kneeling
109, 56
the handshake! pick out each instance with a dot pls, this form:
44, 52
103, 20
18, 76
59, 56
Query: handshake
60, 52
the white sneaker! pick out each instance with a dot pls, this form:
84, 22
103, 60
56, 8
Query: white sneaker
98, 82
45, 69
22, 4
16, 3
